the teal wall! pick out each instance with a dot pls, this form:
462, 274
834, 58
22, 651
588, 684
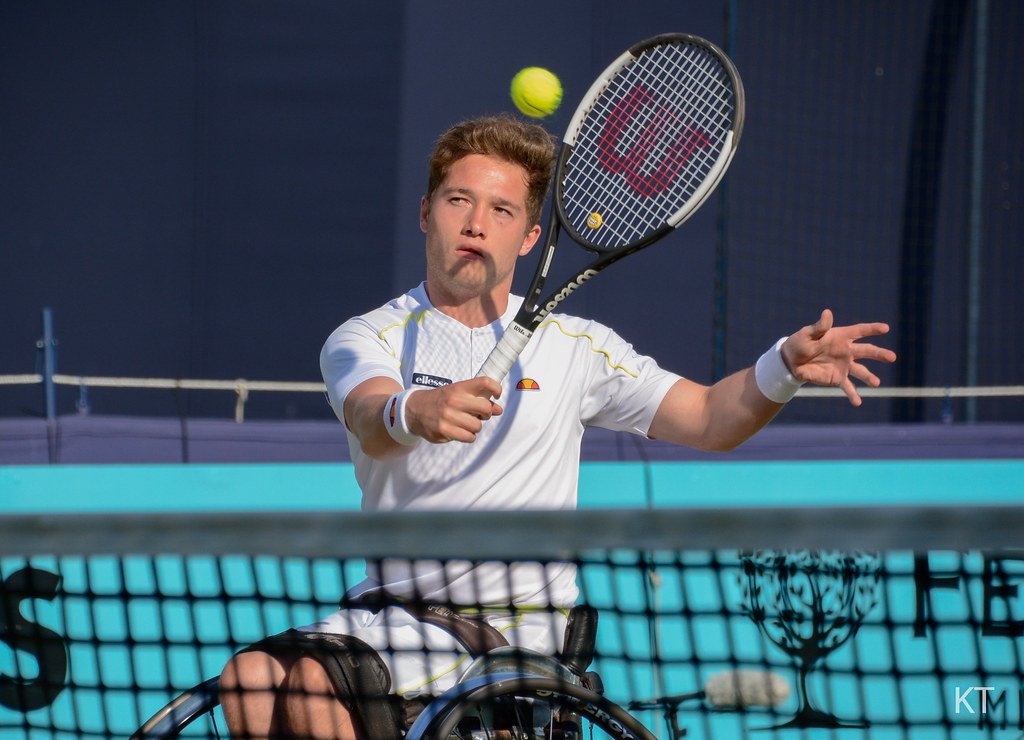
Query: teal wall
602, 484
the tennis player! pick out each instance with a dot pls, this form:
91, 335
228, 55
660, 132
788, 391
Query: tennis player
424, 433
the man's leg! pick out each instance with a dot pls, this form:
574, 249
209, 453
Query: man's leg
270, 696
311, 708
249, 687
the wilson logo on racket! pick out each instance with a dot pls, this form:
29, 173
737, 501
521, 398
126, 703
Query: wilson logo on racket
563, 294
527, 384
630, 164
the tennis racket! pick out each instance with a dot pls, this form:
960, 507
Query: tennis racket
648, 144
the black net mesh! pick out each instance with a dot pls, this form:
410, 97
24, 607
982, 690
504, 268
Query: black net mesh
913, 640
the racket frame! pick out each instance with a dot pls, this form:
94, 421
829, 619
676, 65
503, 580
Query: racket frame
534, 311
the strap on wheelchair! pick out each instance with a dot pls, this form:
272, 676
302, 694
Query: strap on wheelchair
471, 631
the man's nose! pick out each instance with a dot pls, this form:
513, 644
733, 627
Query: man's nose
474, 222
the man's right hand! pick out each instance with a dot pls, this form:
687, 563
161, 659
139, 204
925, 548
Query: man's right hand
453, 413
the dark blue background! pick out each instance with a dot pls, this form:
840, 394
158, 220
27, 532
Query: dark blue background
206, 189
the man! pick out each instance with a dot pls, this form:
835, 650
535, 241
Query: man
425, 433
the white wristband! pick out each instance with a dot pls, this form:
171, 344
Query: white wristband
773, 377
394, 418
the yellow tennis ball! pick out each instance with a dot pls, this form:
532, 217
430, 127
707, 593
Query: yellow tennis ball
536, 92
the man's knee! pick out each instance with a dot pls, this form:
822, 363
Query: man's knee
252, 671
307, 676
306, 666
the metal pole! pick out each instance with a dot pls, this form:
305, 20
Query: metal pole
974, 246
49, 347
720, 291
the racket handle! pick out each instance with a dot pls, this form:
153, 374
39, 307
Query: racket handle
505, 352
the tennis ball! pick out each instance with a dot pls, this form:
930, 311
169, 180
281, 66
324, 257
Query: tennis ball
536, 92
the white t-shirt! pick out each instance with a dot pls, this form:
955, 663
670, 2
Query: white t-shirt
574, 373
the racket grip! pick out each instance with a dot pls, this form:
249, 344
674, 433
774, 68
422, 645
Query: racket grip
505, 352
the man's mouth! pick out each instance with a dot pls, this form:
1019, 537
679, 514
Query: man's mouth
470, 253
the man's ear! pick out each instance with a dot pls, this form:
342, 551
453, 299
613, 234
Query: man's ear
424, 213
529, 240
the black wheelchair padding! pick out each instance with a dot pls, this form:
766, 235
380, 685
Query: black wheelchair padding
580, 639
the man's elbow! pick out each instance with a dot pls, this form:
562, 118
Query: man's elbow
719, 443
702, 443
384, 449
720, 447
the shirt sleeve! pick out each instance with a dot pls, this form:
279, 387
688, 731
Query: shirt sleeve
625, 388
352, 354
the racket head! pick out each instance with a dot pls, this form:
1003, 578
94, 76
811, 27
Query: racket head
648, 143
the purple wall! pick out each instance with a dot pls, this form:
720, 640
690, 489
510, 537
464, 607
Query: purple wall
206, 189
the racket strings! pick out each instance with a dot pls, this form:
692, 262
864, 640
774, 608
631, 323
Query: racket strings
647, 144
634, 191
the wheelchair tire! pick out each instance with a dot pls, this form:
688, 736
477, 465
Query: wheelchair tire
442, 718
181, 711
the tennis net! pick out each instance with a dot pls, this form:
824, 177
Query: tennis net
891, 622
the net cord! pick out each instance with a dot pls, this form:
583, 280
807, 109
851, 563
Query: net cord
511, 535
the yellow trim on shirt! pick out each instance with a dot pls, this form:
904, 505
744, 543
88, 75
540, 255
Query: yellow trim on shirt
403, 323
590, 339
430, 679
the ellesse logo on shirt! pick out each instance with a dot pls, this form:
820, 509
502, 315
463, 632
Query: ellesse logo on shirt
430, 381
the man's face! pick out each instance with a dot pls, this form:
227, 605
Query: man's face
477, 226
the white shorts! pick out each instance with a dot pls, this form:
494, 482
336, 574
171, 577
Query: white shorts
426, 659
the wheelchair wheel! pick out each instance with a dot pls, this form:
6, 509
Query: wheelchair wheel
183, 711
524, 707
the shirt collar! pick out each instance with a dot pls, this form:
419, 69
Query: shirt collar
515, 302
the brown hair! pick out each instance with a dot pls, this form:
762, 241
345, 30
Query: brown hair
504, 136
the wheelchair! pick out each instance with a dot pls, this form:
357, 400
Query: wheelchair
505, 694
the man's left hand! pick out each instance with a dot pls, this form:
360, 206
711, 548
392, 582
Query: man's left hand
823, 354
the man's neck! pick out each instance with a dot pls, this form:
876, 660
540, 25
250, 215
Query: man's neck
473, 312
